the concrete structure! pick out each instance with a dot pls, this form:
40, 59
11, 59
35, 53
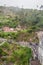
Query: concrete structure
40, 48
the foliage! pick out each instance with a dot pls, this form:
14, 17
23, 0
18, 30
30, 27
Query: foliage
18, 55
23, 35
24, 17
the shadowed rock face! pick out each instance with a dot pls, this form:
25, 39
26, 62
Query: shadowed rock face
40, 48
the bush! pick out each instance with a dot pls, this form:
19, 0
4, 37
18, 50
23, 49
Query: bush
29, 30
2, 53
6, 45
21, 55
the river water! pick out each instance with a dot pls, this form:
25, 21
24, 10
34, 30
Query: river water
40, 47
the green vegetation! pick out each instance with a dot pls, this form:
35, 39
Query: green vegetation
25, 35
26, 18
16, 54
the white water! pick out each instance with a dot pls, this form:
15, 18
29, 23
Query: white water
40, 48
